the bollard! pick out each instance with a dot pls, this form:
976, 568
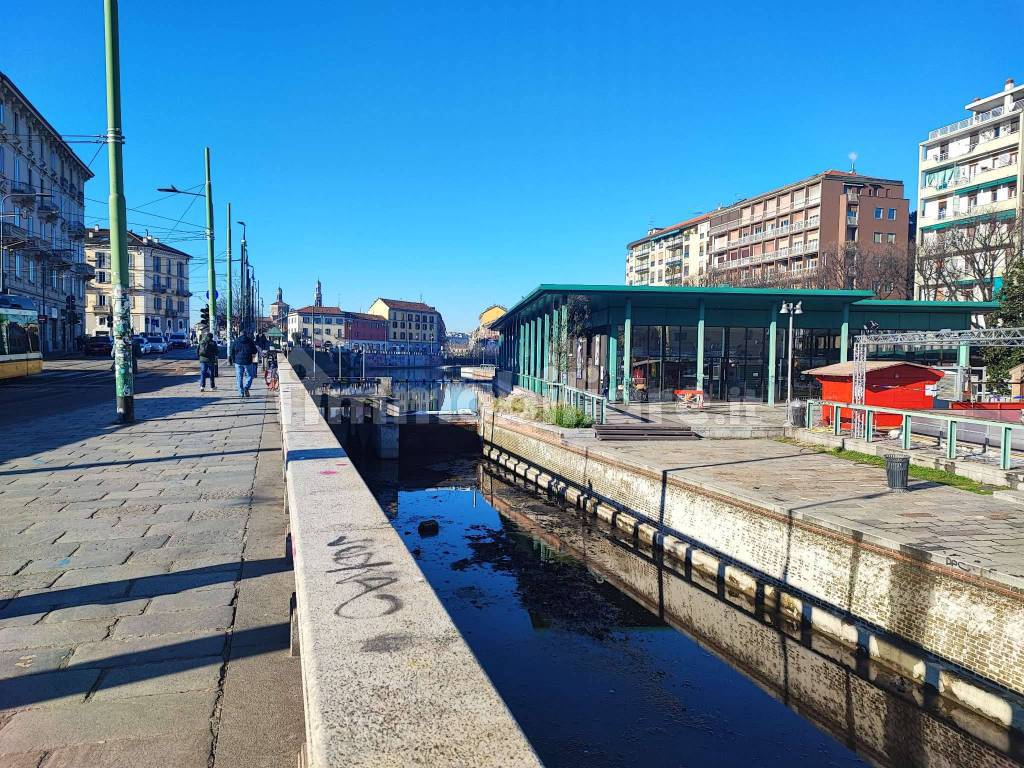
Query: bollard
897, 471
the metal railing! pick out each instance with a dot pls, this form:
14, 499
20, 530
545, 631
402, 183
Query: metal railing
865, 415
981, 117
595, 406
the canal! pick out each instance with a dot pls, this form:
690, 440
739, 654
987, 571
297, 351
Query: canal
608, 656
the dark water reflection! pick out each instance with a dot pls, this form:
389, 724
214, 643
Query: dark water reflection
607, 657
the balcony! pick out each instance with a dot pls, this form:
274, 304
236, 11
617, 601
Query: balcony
852, 219
48, 208
963, 178
766, 234
796, 205
76, 230
980, 119
26, 194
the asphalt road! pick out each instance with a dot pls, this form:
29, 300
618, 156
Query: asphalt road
66, 385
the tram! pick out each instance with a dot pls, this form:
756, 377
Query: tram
19, 338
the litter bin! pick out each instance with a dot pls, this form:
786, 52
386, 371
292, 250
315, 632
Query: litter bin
897, 469
797, 413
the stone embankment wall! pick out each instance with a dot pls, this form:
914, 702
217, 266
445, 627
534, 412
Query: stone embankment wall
859, 593
860, 702
387, 678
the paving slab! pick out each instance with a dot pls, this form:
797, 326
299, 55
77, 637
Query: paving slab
121, 554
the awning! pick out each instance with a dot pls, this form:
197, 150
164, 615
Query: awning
986, 185
1001, 216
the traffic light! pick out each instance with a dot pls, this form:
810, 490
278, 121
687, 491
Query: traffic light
204, 316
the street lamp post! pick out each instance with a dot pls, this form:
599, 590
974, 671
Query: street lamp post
243, 272
124, 375
211, 273
3, 248
790, 308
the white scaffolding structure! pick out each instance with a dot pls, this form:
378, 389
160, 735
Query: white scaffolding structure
981, 337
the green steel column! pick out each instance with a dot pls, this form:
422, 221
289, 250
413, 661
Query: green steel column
227, 313
700, 344
772, 367
536, 353
963, 367
613, 361
211, 273
844, 335
627, 349
563, 342
124, 377
519, 349
546, 347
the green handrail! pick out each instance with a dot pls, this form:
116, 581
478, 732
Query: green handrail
951, 422
595, 406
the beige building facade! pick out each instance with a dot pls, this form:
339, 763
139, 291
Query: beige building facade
42, 200
158, 285
413, 327
675, 255
970, 179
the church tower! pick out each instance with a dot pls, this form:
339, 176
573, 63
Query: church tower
318, 300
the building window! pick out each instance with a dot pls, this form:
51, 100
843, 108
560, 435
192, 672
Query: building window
892, 214
878, 213
878, 237
890, 238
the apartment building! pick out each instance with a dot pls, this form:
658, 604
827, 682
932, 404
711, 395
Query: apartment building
413, 327
42, 201
320, 326
158, 285
780, 235
969, 197
673, 255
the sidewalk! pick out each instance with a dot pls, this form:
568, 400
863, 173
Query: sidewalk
143, 588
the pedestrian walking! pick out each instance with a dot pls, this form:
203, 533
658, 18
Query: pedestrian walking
243, 350
206, 351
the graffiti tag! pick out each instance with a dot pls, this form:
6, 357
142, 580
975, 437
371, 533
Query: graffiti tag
364, 576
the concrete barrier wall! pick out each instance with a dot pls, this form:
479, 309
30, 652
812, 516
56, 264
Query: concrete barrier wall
859, 702
387, 678
834, 577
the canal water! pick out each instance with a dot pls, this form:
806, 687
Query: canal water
606, 657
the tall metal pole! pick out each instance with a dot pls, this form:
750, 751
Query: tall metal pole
211, 273
789, 372
124, 377
228, 312
244, 275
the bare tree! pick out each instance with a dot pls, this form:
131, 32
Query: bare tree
962, 262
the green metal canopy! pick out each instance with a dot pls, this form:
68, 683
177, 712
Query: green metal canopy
688, 297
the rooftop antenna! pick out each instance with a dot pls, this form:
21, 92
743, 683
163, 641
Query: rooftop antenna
853, 162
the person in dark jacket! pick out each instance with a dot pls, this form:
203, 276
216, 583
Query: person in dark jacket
243, 350
206, 351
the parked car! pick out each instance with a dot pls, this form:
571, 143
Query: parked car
98, 345
177, 341
154, 345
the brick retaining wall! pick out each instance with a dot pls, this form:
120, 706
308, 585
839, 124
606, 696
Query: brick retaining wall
827, 576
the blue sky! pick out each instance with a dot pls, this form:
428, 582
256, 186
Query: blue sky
467, 151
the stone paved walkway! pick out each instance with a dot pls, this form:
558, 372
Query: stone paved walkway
975, 532
143, 588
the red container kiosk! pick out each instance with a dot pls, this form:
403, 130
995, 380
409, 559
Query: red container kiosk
890, 384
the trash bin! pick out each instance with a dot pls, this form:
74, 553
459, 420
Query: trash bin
897, 469
797, 413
